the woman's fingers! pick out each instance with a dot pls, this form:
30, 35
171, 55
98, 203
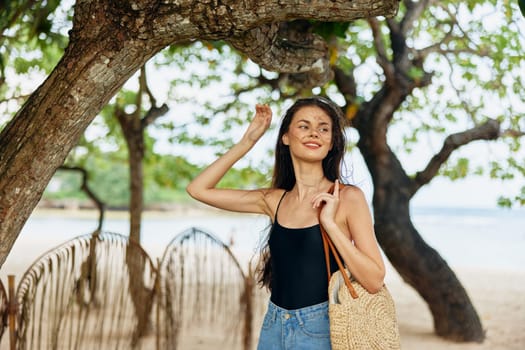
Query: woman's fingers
324, 198
264, 112
260, 123
329, 203
317, 200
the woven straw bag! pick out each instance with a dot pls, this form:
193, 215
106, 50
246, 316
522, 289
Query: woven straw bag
358, 319
366, 322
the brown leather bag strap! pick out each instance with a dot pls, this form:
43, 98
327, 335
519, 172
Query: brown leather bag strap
326, 249
327, 242
329, 245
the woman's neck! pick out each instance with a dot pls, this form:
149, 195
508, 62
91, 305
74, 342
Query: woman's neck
309, 182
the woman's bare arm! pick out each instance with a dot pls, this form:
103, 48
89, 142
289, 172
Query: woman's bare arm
362, 256
203, 187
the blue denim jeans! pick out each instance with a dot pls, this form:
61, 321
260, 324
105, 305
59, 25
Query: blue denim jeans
307, 328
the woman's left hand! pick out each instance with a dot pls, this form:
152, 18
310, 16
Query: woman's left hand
329, 209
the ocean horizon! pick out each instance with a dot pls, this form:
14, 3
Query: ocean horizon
477, 238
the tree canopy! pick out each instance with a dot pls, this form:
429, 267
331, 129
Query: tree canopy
110, 41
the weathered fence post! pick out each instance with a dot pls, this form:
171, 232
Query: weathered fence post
247, 299
13, 309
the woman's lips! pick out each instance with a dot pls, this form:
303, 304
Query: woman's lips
312, 145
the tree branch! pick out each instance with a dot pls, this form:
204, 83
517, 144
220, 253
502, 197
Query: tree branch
153, 114
413, 12
382, 57
423, 53
143, 81
345, 84
449, 36
487, 131
138, 95
400, 51
512, 133
287, 48
470, 110
455, 26
101, 206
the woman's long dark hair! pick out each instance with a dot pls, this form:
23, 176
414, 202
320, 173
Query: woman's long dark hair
283, 173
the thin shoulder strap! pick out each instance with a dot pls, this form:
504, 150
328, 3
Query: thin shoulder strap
278, 205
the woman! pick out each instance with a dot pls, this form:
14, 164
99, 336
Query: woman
309, 151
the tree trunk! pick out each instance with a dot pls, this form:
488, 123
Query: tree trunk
36, 142
133, 127
418, 264
141, 296
137, 188
133, 133
453, 314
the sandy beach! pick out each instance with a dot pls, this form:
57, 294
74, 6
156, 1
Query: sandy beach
497, 294
499, 298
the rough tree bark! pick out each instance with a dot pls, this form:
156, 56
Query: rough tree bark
419, 265
109, 41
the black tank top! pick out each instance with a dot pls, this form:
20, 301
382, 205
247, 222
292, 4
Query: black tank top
298, 266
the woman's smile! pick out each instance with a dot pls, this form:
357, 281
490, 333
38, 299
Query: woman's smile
312, 145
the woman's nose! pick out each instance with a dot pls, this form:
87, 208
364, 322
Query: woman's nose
314, 133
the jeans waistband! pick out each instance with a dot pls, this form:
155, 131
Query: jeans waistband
301, 313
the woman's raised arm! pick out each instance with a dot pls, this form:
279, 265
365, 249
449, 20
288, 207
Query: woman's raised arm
203, 187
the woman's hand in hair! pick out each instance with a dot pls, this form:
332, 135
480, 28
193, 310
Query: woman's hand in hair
260, 123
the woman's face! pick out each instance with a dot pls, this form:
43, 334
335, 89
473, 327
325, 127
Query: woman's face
309, 135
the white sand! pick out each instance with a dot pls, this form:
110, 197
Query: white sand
499, 297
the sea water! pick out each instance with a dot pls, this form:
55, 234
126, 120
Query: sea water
464, 237
475, 238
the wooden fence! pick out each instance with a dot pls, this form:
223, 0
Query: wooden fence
103, 291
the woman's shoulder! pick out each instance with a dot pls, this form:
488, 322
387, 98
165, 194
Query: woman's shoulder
353, 204
273, 194
272, 197
351, 193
